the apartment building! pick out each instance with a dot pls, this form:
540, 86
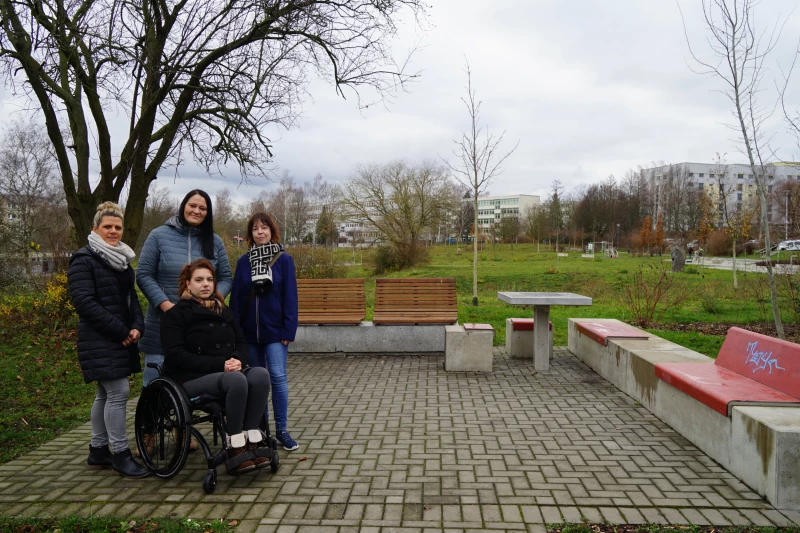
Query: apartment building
491, 209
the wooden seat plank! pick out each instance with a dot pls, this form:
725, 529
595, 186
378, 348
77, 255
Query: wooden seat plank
416, 301
331, 301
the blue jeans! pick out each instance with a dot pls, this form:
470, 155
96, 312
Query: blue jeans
149, 374
273, 357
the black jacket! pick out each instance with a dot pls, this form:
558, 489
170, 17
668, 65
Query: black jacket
106, 317
197, 341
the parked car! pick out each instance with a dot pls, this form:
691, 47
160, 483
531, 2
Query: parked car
789, 245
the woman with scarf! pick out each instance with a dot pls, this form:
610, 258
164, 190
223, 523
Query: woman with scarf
264, 301
205, 352
101, 284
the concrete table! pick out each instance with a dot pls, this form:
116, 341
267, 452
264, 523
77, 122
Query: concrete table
541, 302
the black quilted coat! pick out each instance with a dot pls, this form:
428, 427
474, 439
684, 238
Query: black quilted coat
197, 341
97, 298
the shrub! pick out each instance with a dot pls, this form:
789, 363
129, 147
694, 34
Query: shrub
693, 270
720, 243
316, 263
650, 292
49, 308
711, 297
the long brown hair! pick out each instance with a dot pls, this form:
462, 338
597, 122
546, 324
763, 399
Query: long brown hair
264, 218
188, 271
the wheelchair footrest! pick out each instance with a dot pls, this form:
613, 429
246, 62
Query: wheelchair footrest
234, 462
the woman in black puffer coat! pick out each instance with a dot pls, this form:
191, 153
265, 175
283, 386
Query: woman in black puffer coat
101, 283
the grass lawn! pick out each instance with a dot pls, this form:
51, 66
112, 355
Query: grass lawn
709, 294
75, 524
43, 392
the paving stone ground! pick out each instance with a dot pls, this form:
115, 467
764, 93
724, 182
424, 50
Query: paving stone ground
398, 444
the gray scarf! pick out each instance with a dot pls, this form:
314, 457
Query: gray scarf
118, 257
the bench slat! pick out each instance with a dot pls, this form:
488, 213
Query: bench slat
331, 301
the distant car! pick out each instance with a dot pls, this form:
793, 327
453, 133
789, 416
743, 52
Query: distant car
789, 245
752, 245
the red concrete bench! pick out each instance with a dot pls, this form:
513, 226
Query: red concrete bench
520, 345
524, 324
751, 369
602, 329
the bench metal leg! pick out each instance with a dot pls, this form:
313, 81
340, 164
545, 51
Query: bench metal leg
541, 337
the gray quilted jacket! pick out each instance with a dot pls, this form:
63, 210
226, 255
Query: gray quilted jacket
167, 249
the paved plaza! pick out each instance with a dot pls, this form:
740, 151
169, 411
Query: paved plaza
398, 444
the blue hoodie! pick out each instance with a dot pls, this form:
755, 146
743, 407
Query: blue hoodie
166, 250
271, 318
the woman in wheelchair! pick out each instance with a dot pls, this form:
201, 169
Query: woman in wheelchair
206, 353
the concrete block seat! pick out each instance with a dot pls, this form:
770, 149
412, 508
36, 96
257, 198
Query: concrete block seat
750, 426
468, 348
519, 338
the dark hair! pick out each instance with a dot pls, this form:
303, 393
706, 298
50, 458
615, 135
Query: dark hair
188, 271
206, 227
264, 218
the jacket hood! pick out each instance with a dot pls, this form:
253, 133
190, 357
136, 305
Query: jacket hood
175, 222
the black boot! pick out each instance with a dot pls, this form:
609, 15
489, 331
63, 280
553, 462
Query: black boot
126, 466
99, 457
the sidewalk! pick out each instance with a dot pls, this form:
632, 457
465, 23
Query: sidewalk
396, 442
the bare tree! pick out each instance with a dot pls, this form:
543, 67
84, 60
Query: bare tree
737, 54
29, 202
196, 78
159, 207
400, 201
479, 160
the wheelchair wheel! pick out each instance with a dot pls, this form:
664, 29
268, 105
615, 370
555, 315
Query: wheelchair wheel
210, 481
162, 427
275, 462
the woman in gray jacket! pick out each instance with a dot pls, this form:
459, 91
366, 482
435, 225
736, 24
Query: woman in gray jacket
183, 238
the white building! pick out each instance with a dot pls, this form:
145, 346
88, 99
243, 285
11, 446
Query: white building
737, 181
491, 209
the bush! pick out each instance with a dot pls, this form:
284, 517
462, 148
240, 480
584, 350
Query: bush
316, 263
650, 292
719, 243
50, 308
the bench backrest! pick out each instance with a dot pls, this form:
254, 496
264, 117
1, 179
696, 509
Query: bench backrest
331, 301
419, 300
772, 362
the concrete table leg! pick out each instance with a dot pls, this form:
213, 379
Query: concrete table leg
541, 337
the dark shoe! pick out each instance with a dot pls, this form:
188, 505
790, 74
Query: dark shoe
126, 466
286, 440
239, 461
99, 457
261, 456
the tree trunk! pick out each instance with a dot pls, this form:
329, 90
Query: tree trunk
475, 254
735, 281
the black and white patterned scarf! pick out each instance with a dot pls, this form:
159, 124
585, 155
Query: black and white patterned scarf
260, 271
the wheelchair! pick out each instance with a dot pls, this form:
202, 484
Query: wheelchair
165, 412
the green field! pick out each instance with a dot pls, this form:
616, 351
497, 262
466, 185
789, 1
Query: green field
44, 393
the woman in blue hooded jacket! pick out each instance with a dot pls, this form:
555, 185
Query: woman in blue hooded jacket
264, 302
183, 238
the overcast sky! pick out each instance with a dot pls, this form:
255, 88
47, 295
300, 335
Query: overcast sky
588, 88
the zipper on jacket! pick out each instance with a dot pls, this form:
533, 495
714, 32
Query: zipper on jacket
189, 238
257, 336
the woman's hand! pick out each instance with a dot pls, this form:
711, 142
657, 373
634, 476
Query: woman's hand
233, 365
166, 305
133, 337
285, 343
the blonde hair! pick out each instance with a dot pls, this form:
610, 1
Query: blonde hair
107, 209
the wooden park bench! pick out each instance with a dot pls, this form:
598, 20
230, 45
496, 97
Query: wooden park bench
331, 301
415, 301
751, 369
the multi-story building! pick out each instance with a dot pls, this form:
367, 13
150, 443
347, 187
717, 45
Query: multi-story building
731, 184
491, 209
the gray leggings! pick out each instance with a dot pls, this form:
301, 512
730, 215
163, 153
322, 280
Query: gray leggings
108, 414
246, 394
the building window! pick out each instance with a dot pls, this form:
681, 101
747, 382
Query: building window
739, 197
702, 175
700, 186
740, 176
691, 174
739, 187
769, 188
